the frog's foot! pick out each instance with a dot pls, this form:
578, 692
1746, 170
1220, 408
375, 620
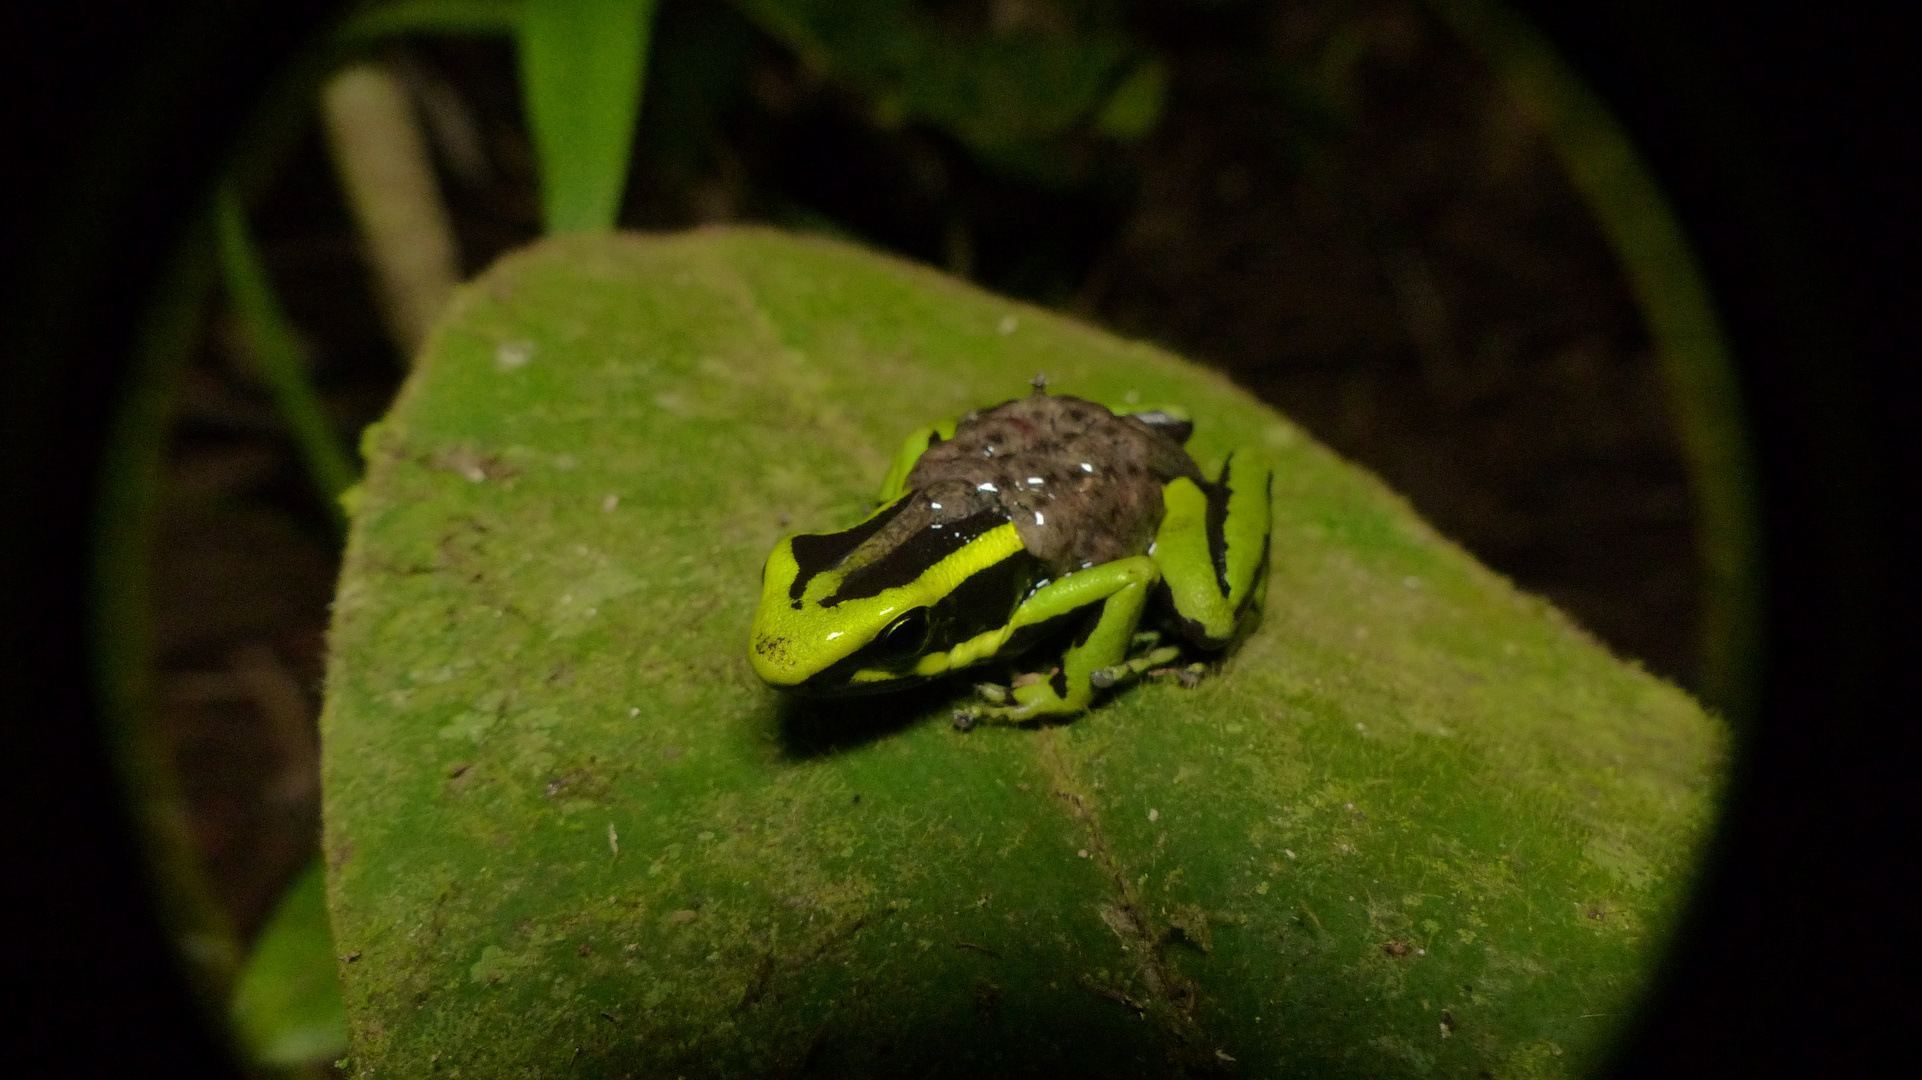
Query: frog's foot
1026, 697
994, 693
1110, 597
968, 716
1103, 678
1188, 677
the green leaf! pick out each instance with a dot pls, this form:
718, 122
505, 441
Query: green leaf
1419, 824
1004, 95
287, 1006
272, 336
402, 17
583, 65
1135, 107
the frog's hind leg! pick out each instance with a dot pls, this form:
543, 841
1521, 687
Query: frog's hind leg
911, 450
1112, 596
1213, 549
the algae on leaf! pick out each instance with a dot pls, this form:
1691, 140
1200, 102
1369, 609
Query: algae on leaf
1419, 824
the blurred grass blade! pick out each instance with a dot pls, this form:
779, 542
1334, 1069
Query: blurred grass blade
432, 17
1634, 215
1136, 105
1007, 97
383, 162
287, 1007
273, 340
583, 63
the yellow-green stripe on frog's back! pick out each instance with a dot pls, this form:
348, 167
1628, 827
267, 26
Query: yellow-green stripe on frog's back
789, 646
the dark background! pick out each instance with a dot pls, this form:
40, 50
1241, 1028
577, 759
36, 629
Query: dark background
1783, 138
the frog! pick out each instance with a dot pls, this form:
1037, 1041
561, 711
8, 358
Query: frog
1047, 525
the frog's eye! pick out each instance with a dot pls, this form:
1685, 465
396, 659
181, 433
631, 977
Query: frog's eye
905, 638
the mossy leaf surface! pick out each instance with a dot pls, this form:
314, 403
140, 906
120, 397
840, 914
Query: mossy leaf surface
1419, 824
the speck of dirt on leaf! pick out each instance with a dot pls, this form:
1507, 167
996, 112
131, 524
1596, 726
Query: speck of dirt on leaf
513, 355
685, 915
467, 463
987, 999
1189, 923
1154, 815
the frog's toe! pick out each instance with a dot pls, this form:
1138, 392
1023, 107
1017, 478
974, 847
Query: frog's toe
991, 692
1187, 677
972, 716
1018, 691
1103, 678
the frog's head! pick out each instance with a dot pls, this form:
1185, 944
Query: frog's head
905, 595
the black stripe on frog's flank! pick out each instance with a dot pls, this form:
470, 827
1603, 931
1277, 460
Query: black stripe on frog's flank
987, 599
838, 681
1217, 494
815, 553
1059, 683
1267, 540
1094, 619
1261, 573
913, 558
1033, 634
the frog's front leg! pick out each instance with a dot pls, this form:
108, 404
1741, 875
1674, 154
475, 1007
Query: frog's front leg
1111, 596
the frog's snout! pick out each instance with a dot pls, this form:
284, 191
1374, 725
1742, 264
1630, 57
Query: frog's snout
769, 654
